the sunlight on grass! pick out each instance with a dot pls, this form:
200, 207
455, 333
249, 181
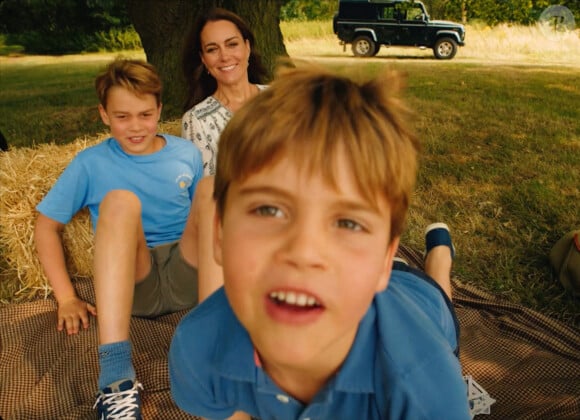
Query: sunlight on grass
295, 31
505, 43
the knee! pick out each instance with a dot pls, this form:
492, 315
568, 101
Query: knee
119, 204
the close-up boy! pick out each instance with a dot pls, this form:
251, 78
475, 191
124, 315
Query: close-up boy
138, 186
313, 182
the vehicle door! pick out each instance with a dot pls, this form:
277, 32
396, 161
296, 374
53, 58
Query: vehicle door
413, 28
388, 26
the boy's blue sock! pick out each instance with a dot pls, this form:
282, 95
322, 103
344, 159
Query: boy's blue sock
115, 362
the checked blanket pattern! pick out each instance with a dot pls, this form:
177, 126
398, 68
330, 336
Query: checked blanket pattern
527, 362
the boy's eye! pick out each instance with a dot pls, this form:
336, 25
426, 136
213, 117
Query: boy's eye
349, 224
268, 211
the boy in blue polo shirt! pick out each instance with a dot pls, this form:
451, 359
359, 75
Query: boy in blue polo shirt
138, 186
313, 183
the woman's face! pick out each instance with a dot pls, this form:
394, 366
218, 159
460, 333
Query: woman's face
224, 52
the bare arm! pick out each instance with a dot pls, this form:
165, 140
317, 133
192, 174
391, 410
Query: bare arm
197, 240
210, 273
72, 311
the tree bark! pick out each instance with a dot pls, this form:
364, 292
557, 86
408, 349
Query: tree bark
163, 25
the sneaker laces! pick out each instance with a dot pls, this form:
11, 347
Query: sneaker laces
120, 404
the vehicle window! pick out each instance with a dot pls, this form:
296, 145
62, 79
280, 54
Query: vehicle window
415, 13
387, 13
400, 11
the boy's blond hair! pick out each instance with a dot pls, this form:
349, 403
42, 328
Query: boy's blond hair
311, 115
137, 76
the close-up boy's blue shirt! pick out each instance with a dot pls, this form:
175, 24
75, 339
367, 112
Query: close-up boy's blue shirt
164, 181
401, 365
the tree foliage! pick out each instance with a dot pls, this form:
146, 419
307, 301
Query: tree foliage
493, 12
308, 10
60, 26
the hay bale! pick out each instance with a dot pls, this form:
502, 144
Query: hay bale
26, 175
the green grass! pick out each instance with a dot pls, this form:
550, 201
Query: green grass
501, 152
49, 99
500, 165
49, 102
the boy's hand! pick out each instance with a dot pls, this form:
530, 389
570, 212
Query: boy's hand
72, 313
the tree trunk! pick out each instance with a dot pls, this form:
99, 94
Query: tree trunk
163, 25
464, 13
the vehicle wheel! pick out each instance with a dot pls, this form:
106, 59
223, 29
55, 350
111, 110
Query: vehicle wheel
363, 46
445, 48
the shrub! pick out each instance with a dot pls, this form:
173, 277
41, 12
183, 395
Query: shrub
118, 40
73, 42
9, 49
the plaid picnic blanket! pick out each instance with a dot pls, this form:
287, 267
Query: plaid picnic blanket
527, 362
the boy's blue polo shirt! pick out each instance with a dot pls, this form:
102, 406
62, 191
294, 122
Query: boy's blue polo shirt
164, 181
401, 364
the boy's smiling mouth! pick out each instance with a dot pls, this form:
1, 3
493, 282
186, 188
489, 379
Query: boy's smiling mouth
300, 300
293, 307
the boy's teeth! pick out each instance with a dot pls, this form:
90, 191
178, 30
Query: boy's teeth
292, 298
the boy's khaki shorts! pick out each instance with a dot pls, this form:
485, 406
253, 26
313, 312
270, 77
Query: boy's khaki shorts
170, 286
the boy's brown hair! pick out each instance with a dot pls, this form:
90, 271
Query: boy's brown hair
137, 76
310, 115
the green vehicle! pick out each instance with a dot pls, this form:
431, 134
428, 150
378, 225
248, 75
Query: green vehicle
368, 24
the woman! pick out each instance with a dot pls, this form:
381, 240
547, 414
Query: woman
223, 71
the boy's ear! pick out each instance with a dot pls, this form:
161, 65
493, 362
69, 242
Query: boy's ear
389, 256
217, 238
103, 114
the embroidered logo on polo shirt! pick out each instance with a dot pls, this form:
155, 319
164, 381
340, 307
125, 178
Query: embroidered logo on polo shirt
184, 181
